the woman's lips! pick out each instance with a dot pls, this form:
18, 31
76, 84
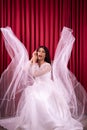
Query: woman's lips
40, 57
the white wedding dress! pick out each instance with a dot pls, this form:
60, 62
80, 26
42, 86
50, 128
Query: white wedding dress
49, 99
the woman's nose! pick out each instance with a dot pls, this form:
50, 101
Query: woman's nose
40, 52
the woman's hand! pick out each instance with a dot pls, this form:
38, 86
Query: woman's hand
34, 57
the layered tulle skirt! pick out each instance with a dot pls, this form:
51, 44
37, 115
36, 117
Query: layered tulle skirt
42, 107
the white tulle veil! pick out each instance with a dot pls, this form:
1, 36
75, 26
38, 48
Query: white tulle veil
13, 80
73, 91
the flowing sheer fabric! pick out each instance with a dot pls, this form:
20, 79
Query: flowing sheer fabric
45, 103
14, 79
73, 91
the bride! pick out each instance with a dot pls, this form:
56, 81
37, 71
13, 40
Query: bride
40, 95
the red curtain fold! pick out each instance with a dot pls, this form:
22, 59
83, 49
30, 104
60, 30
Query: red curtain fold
39, 22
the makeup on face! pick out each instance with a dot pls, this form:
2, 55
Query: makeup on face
41, 53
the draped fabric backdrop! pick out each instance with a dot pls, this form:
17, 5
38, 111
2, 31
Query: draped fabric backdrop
39, 22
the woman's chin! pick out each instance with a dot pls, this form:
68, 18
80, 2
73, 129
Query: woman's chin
40, 59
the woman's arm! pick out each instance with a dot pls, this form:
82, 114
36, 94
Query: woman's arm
38, 71
32, 61
34, 57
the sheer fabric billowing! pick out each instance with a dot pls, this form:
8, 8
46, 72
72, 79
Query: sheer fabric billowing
14, 78
73, 91
44, 104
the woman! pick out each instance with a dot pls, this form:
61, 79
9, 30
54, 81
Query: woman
49, 99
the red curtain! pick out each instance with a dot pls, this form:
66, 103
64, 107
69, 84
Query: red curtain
39, 22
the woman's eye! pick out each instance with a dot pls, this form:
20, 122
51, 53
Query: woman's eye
41, 51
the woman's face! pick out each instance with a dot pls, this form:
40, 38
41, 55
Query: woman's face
41, 54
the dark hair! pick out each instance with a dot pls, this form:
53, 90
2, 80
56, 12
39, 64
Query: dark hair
47, 58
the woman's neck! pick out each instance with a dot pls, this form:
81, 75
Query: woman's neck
40, 62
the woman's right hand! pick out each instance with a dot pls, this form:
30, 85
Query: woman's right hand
34, 57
